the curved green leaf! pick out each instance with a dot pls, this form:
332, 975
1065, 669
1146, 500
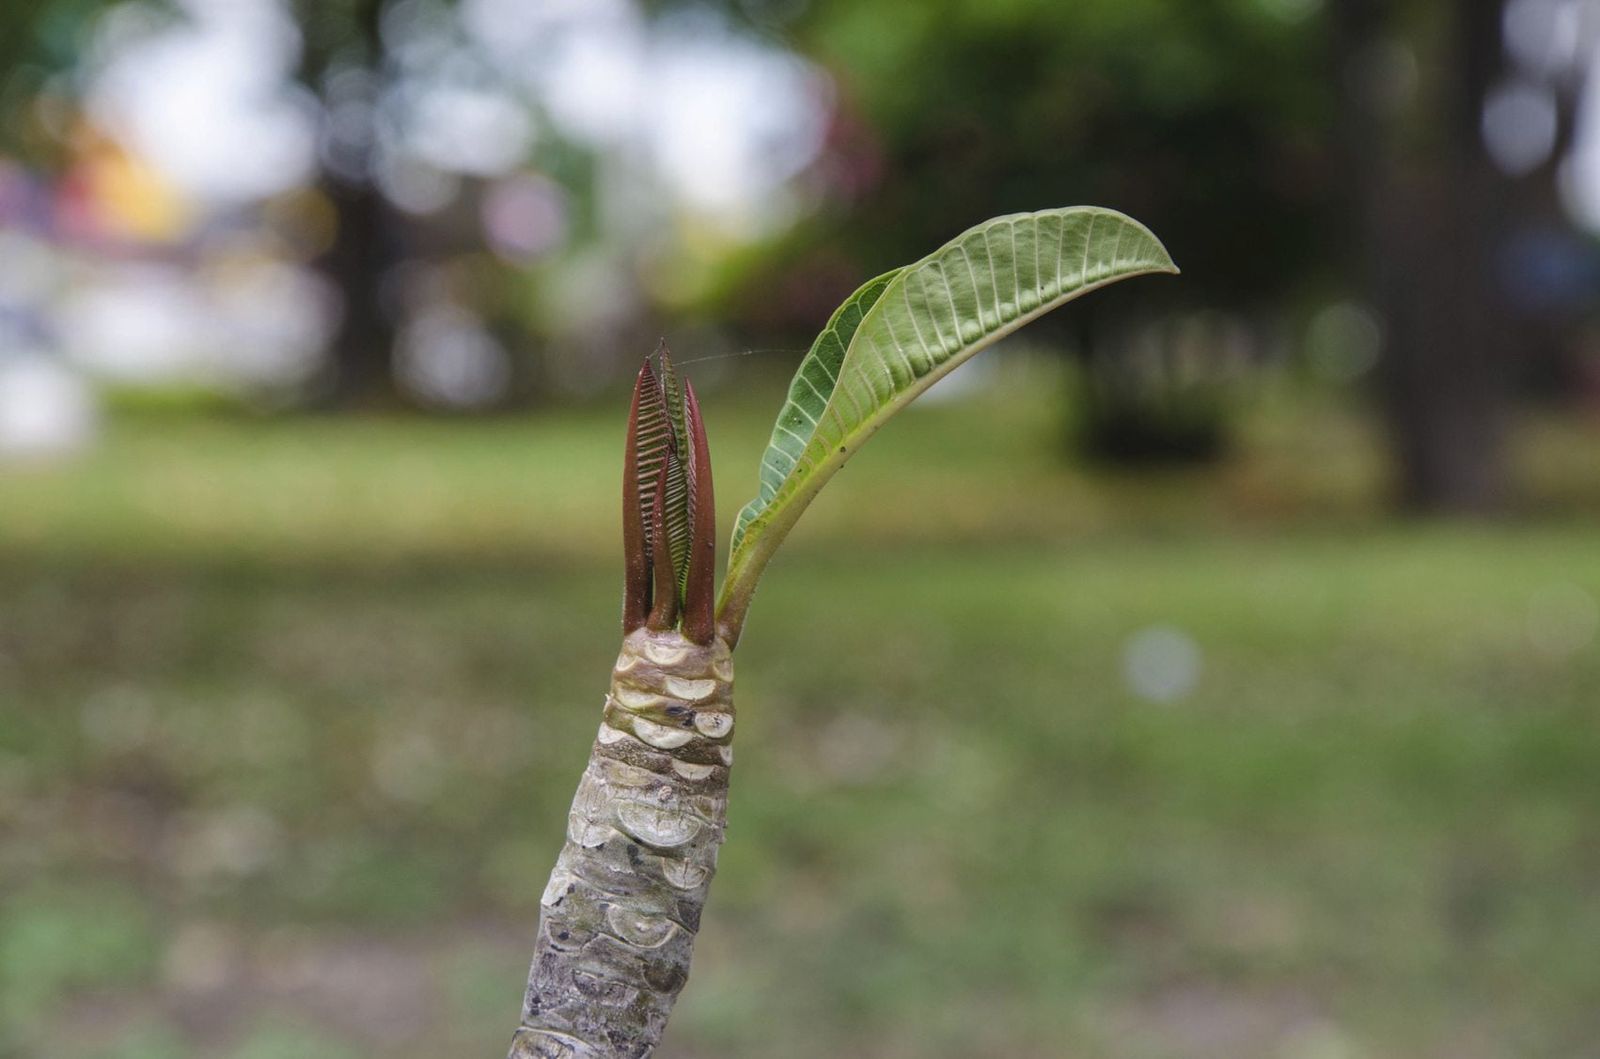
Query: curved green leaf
808, 396
901, 333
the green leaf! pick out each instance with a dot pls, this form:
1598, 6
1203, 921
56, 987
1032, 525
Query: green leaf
808, 396
905, 330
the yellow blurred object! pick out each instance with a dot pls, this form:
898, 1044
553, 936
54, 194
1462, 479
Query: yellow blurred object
127, 197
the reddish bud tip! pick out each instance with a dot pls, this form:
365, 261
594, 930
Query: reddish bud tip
635, 538
699, 621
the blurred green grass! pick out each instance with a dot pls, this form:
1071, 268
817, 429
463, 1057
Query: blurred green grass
291, 711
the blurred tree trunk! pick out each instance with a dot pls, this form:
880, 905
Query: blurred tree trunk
361, 359
343, 38
1429, 203
1546, 318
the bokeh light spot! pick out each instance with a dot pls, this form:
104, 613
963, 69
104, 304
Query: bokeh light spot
1161, 663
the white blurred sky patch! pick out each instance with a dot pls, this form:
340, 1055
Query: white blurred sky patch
477, 131
724, 120
1581, 175
1552, 43
1547, 38
128, 322
730, 121
252, 320
583, 59
719, 120
206, 98
45, 409
690, 122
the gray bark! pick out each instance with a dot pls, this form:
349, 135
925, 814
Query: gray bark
619, 916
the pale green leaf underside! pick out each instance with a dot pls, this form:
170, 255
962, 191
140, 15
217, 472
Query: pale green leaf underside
808, 396
902, 332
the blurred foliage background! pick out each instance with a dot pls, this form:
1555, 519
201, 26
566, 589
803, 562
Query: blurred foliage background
1211, 670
